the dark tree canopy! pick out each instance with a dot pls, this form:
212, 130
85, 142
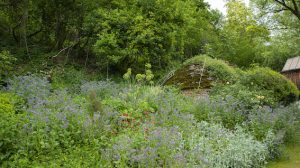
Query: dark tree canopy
118, 34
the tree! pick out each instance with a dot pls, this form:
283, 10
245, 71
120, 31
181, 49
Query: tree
279, 17
241, 36
277, 6
50, 22
120, 33
131, 33
281, 47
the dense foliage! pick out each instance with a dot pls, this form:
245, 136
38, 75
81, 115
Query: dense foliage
121, 125
265, 79
116, 35
254, 86
260, 86
108, 34
57, 109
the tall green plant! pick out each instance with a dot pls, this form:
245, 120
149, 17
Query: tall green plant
145, 78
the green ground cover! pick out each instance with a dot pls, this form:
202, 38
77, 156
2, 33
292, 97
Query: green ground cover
293, 157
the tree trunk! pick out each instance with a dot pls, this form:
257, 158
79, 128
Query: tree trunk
60, 30
24, 24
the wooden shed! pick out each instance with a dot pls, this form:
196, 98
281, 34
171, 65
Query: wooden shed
291, 70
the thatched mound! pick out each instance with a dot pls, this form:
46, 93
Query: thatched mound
202, 72
191, 77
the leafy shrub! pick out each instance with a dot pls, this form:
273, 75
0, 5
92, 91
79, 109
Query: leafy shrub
54, 123
226, 110
6, 63
102, 88
207, 145
216, 68
224, 148
158, 147
274, 144
133, 102
69, 78
10, 124
280, 87
281, 120
77, 156
31, 87
249, 97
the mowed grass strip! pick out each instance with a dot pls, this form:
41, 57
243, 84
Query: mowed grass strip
293, 160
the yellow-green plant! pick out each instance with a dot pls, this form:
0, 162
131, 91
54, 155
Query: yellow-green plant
146, 77
127, 75
11, 123
140, 77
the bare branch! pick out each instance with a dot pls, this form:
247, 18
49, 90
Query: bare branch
61, 51
295, 7
294, 11
280, 10
284, 5
35, 33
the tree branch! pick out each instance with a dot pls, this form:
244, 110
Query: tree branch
4, 4
280, 10
35, 33
284, 5
61, 51
295, 7
294, 11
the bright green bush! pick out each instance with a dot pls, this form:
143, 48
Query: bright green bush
76, 156
281, 89
218, 69
145, 78
11, 123
249, 97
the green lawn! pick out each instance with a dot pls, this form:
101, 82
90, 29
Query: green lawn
293, 161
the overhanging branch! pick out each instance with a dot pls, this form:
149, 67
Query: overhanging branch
294, 10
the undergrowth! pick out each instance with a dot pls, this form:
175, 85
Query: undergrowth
126, 125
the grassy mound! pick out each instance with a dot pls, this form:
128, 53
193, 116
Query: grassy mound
256, 86
281, 88
201, 72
